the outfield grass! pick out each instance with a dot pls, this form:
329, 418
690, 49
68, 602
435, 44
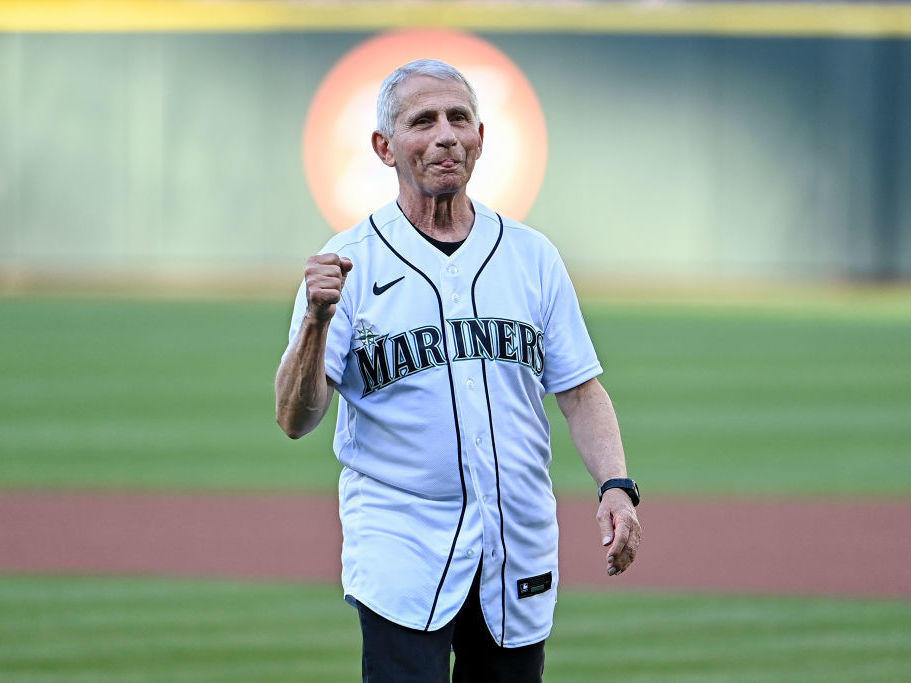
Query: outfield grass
93, 629
712, 399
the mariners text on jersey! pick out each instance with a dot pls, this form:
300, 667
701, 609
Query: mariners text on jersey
385, 359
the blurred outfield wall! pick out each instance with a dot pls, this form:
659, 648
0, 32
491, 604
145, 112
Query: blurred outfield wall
671, 153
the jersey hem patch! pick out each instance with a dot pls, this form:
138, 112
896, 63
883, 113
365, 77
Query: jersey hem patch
534, 585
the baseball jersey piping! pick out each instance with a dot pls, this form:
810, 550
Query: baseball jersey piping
455, 415
493, 443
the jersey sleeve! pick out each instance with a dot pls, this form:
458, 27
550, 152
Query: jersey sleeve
569, 356
338, 340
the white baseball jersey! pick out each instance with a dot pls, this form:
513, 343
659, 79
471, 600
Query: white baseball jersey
442, 363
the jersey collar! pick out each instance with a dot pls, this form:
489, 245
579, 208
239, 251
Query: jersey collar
402, 235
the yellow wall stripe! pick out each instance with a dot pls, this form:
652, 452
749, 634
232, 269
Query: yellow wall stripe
740, 19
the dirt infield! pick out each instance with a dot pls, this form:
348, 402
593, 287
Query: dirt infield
812, 548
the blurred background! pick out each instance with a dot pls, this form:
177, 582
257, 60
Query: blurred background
729, 185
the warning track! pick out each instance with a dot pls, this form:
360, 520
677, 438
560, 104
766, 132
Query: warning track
752, 546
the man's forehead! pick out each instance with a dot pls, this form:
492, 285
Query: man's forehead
423, 91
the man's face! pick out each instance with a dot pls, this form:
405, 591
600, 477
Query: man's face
437, 138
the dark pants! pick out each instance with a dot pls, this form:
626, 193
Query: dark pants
395, 654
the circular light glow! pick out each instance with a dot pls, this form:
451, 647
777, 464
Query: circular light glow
348, 181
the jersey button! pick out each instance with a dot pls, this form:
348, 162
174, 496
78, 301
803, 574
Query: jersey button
469, 553
469, 383
477, 441
455, 298
452, 269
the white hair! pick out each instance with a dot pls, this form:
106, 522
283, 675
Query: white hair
388, 106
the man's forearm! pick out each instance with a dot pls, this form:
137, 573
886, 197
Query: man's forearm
302, 392
594, 430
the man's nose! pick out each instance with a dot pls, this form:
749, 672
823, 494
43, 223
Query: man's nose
446, 136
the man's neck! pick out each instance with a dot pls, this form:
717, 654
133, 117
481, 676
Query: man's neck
445, 217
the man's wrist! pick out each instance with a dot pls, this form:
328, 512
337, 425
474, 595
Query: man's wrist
314, 319
613, 497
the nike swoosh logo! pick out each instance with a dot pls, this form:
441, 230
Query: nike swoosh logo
379, 290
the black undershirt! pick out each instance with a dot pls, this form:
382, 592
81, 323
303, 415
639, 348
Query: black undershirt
447, 248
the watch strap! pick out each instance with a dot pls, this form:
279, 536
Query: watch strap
628, 485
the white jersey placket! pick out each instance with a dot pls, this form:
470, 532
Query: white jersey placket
455, 278
458, 276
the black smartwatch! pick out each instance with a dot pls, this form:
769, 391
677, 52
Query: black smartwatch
628, 485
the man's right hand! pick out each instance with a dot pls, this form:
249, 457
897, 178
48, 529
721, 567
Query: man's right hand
325, 276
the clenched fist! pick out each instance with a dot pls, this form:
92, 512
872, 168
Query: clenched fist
325, 276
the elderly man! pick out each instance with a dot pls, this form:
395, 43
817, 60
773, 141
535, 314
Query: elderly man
442, 325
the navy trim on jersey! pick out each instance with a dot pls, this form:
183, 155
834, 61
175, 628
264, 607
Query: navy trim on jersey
455, 414
493, 443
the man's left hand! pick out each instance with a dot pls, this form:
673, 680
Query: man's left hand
620, 530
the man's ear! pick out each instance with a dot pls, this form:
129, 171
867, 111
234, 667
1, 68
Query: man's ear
481, 133
382, 148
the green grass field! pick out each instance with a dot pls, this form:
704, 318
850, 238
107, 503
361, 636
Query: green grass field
711, 398
719, 399
95, 630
